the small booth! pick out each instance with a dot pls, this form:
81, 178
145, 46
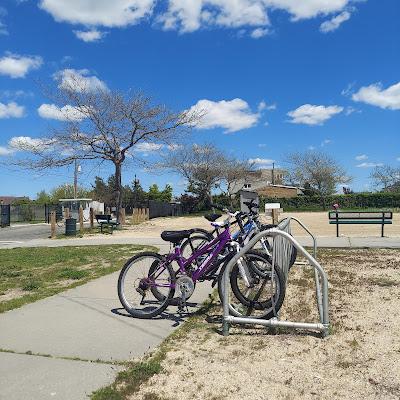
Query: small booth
74, 204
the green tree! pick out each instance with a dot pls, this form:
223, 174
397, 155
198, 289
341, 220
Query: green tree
139, 195
160, 195
43, 198
67, 192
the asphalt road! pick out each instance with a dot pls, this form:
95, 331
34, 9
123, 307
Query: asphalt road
25, 232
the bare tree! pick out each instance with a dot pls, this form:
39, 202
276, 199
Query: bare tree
316, 170
104, 125
234, 174
201, 165
386, 178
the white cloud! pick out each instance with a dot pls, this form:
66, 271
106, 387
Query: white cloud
5, 151
232, 115
264, 106
398, 159
361, 157
251, 16
313, 115
189, 16
304, 9
377, 96
79, 80
175, 146
92, 35
66, 113
144, 147
25, 143
17, 66
259, 33
350, 110
369, 165
11, 110
3, 27
311, 148
335, 22
117, 13
261, 161
262, 145
325, 142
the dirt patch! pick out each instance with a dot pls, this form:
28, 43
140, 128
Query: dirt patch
359, 360
11, 294
317, 222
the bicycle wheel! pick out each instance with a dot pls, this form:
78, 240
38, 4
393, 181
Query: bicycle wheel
263, 297
146, 285
195, 241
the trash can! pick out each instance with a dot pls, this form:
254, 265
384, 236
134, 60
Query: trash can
70, 227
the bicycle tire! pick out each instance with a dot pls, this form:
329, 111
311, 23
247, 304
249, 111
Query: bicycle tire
267, 309
164, 302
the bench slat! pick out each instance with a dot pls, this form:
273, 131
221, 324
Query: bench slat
359, 222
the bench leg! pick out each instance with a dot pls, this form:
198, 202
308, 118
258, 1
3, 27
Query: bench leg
337, 230
383, 225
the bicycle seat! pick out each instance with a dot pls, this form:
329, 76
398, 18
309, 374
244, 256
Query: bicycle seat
251, 204
176, 236
212, 217
267, 226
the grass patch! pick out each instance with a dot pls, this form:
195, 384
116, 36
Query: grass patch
39, 272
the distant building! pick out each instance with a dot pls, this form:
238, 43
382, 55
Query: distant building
5, 200
266, 182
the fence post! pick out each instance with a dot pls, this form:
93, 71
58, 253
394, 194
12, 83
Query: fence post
146, 215
53, 224
275, 216
81, 219
91, 217
122, 215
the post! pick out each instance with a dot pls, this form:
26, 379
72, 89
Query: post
337, 224
108, 211
275, 216
91, 217
383, 223
53, 224
81, 219
66, 213
122, 215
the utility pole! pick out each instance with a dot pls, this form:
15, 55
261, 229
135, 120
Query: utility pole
273, 173
77, 169
75, 178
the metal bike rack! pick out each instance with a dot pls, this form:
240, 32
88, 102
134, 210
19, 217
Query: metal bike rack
282, 240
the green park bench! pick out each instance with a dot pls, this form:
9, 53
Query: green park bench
363, 217
105, 220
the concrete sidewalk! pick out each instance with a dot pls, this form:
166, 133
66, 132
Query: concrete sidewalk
322, 241
86, 324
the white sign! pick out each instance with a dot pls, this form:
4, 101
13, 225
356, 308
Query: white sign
272, 206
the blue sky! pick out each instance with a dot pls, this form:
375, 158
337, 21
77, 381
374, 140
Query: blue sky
275, 75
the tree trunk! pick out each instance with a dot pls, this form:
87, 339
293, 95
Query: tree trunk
118, 186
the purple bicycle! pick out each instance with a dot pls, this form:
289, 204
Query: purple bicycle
149, 281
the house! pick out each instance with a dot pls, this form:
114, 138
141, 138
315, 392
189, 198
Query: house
266, 182
6, 200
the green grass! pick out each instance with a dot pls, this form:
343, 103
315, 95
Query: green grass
30, 274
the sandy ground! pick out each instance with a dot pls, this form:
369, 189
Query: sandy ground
317, 222
359, 360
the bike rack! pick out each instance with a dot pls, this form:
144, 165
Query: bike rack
282, 239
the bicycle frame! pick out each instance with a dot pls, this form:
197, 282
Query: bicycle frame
213, 249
